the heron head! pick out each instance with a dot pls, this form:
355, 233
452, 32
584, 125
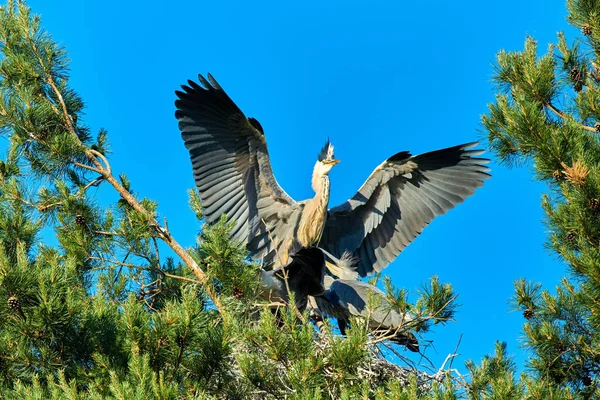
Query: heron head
326, 159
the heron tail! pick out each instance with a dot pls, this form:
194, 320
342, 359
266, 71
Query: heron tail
407, 339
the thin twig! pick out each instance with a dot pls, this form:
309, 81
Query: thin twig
455, 350
180, 278
313, 303
105, 171
271, 304
562, 115
139, 267
107, 233
104, 159
80, 165
80, 192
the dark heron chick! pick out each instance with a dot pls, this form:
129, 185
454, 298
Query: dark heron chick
233, 174
304, 276
343, 299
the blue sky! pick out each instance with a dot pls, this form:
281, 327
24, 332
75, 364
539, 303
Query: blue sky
376, 79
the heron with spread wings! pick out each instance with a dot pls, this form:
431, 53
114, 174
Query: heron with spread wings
233, 174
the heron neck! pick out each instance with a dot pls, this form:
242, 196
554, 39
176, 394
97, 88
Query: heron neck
321, 188
320, 184
314, 214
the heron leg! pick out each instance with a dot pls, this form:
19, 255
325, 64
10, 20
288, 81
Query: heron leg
342, 324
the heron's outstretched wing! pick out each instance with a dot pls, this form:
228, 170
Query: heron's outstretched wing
231, 166
355, 296
398, 200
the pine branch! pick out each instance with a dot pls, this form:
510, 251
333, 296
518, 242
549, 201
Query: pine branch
105, 172
98, 163
563, 116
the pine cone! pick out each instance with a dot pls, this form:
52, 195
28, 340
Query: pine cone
586, 380
528, 313
79, 220
597, 126
14, 303
237, 293
594, 204
586, 29
575, 75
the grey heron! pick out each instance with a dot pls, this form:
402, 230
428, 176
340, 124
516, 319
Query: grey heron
343, 299
304, 276
233, 174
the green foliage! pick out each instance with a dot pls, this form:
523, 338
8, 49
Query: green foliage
436, 303
547, 115
108, 313
494, 378
195, 205
225, 263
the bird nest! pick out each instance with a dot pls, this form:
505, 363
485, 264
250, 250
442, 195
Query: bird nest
373, 370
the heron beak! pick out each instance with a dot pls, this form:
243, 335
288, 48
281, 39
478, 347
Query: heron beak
333, 162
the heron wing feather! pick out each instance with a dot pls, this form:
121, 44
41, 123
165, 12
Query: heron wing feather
358, 295
231, 166
400, 198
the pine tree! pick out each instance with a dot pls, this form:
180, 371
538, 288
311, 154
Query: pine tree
546, 116
118, 309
